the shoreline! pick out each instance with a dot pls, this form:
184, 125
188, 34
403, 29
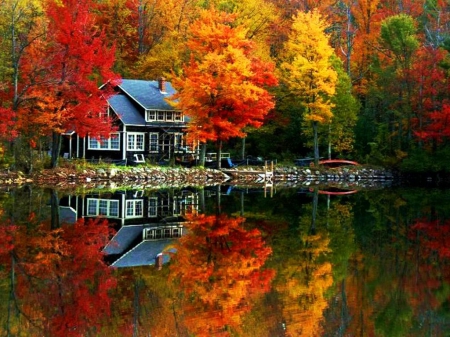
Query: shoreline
154, 176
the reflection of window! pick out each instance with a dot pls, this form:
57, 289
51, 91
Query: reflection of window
152, 207
153, 142
135, 141
134, 208
103, 143
102, 207
163, 233
185, 204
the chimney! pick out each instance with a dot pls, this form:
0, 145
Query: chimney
162, 84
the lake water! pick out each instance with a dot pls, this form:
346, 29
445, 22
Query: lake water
225, 261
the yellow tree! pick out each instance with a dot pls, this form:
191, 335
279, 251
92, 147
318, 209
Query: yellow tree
307, 69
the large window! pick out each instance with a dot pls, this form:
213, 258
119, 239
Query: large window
135, 208
103, 143
135, 141
103, 207
154, 148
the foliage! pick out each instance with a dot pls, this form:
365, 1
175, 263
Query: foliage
307, 69
219, 267
222, 88
61, 282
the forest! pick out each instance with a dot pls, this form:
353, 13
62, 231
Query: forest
366, 80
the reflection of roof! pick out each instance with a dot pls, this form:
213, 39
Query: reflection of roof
67, 215
144, 254
123, 239
147, 93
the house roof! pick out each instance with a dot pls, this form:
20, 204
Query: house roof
147, 93
144, 254
126, 111
123, 239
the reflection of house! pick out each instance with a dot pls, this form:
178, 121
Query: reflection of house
147, 223
148, 126
135, 206
138, 245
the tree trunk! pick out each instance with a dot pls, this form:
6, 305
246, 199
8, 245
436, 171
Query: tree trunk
202, 154
243, 148
312, 229
54, 208
56, 148
329, 141
316, 144
219, 154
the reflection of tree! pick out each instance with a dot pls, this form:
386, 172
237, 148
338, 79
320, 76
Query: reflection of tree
59, 282
219, 266
305, 276
398, 281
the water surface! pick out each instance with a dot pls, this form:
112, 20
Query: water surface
225, 261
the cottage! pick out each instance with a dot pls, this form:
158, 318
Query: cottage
149, 128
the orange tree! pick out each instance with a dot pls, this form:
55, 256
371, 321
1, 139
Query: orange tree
223, 86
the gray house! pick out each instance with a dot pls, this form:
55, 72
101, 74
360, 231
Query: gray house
149, 128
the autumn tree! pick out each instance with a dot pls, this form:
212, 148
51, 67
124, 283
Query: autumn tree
308, 71
338, 135
222, 87
20, 27
73, 60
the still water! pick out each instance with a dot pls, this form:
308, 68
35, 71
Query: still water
225, 261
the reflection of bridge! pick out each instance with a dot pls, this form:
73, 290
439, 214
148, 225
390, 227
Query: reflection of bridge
336, 192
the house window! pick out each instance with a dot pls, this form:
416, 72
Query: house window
103, 207
151, 115
135, 141
154, 139
161, 116
177, 116
152, 207
178, 142
135, 208
103, 143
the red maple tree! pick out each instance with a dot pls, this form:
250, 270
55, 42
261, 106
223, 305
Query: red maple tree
68, 66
